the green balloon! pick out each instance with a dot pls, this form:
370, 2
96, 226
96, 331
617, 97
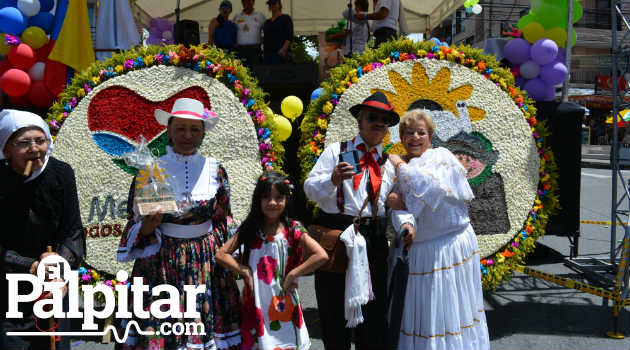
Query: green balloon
551, 16
525, 20
577, 11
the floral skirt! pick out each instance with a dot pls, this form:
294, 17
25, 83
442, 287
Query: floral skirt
189, 262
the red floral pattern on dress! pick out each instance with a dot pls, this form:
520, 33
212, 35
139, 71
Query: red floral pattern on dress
298, 320
266, 268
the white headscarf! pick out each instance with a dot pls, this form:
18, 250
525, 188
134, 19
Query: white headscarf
12, 120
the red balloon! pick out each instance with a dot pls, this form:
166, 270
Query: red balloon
44, 51
55, 76
22, 56
19, 101
15, 82
39, 95
4, 66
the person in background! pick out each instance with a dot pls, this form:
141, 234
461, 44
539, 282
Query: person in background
358, 31
385, 17
222, 31
271, 265
278, 34
249, 24
39, 207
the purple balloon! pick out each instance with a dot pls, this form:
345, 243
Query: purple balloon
544, 51
538, 89
529, 70
554, 73
520, 81
516, 51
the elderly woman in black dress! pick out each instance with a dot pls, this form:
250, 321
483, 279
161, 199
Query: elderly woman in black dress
38, 208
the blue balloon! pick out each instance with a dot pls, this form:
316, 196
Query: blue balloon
12, 21
46, 5
8, 3
43, 20
316, 93
436, 41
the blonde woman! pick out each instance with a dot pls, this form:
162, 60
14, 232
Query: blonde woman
443, 299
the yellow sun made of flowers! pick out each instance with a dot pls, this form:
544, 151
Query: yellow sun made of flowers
421, 88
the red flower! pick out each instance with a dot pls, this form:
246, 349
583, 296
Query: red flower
265, 269
297, 317
256, 243
247, 340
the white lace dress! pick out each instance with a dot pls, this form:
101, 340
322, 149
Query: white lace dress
444, 299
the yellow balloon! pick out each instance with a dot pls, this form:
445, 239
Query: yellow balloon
35, 37
558, 35
283, 128
533, 31
4, 48
268, 112
291, 107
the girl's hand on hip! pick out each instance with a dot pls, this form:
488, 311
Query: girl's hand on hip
289, 283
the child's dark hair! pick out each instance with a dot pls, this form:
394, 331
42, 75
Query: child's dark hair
363, 5
255, 220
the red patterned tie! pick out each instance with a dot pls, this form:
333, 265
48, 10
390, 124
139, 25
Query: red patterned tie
373, 168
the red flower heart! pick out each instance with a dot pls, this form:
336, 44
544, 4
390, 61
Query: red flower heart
122, 111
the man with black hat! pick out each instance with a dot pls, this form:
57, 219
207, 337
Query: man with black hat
340, 201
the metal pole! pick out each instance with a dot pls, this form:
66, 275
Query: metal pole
565, 85
613, 161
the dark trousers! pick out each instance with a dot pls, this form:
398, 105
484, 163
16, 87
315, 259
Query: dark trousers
250, 54
330, 289
383, 35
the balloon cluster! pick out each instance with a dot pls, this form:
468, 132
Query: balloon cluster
25, 71
548, 19
538, 67
472, 6
291, 108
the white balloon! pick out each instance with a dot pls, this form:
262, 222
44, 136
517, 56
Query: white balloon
28, 7
529, 70
167, 35
476, 9
37, 71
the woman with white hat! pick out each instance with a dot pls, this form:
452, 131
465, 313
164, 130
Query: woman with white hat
39, 208
179, 249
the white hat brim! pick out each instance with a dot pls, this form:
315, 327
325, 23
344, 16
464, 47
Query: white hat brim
162, 118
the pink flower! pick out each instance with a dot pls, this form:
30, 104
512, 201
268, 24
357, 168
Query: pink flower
265, 269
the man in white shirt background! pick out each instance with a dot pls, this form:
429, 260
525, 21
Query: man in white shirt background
249, 25
340, 193
385, 17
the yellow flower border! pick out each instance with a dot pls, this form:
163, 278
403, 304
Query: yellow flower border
498, 267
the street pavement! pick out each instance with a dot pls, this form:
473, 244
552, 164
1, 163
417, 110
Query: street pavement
528, 313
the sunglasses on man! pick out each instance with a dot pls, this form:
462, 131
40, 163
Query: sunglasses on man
378, 118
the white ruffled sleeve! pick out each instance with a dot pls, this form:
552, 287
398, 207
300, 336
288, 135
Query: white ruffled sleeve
428, 180
139, 247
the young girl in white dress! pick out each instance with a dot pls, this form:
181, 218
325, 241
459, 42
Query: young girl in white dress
271, 264
443, 300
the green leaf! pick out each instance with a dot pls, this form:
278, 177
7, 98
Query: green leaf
275, 325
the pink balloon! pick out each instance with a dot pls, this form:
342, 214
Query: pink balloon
22, 56
15, 82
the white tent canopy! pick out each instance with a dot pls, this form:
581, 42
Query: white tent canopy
309, 16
